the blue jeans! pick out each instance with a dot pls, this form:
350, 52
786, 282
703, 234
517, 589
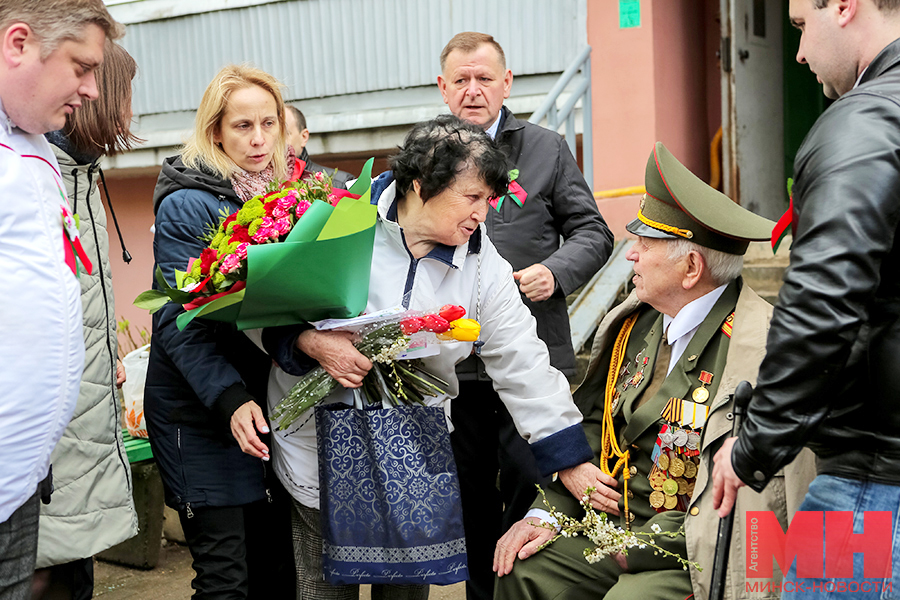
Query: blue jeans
830, 493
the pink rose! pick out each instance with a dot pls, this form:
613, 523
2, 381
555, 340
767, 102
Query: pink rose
229, 264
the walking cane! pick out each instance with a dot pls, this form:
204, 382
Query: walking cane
742, 396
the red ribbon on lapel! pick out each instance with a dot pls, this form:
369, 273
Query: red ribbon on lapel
72, 245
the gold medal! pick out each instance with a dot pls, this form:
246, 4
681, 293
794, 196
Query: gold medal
682, 485
663, 461
676, 467
690, 488
670, 487
690, 470
670, 503
657, 482
701, 394
657, 499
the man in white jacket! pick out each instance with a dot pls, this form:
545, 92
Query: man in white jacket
48, 52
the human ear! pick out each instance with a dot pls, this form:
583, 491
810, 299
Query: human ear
694, 268
15, 42
846, 11
442, 86
507, 83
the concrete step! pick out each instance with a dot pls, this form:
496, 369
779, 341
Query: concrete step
764, 271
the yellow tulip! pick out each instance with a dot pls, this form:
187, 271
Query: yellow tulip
465, 330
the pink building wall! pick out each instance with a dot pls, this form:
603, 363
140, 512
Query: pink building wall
656, 82
132, 199
659, 81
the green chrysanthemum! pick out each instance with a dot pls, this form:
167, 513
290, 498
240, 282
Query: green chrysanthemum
251, 211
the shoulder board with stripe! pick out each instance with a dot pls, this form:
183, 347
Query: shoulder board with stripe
726, 326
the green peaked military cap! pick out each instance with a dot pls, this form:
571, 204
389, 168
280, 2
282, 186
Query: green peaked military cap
678, 204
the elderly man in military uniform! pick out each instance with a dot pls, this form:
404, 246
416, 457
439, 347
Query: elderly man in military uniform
664, 365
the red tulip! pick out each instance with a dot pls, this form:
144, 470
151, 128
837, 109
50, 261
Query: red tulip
411, 325
436, 323
452, 312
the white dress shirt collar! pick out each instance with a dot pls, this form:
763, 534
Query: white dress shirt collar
681, 328
492, 130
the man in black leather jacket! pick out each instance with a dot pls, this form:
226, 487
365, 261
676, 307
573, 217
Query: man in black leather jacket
831, 377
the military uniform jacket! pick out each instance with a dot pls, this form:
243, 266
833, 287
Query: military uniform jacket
731, 360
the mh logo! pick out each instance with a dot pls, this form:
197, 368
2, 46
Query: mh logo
822, 543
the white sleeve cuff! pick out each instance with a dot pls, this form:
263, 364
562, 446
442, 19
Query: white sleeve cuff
543, 515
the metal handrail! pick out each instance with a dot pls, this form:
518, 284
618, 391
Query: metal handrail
555, 117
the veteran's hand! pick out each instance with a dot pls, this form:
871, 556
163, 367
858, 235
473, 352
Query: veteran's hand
245, 421
588, 475
536, 282
334, 350
522, 540
726, 483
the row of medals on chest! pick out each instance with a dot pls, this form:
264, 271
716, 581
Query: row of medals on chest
676, 455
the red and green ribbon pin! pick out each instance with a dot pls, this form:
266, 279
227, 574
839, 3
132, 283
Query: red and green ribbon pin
72, 244
513, 190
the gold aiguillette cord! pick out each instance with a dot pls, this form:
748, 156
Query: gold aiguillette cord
610, 443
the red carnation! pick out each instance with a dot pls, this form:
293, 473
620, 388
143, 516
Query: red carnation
240, 235
207, 258
228, 220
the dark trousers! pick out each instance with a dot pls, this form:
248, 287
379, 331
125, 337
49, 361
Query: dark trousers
489, 451
18, 550
68, 581
241, 552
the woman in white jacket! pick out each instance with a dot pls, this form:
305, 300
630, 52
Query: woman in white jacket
430, 249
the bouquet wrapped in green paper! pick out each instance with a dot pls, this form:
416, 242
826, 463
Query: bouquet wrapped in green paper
301, 252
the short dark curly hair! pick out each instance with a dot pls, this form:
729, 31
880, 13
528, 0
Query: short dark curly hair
435, 152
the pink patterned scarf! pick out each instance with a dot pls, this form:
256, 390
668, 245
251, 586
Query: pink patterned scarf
247, 184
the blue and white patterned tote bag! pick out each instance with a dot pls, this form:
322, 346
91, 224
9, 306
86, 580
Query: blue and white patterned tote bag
389, 496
